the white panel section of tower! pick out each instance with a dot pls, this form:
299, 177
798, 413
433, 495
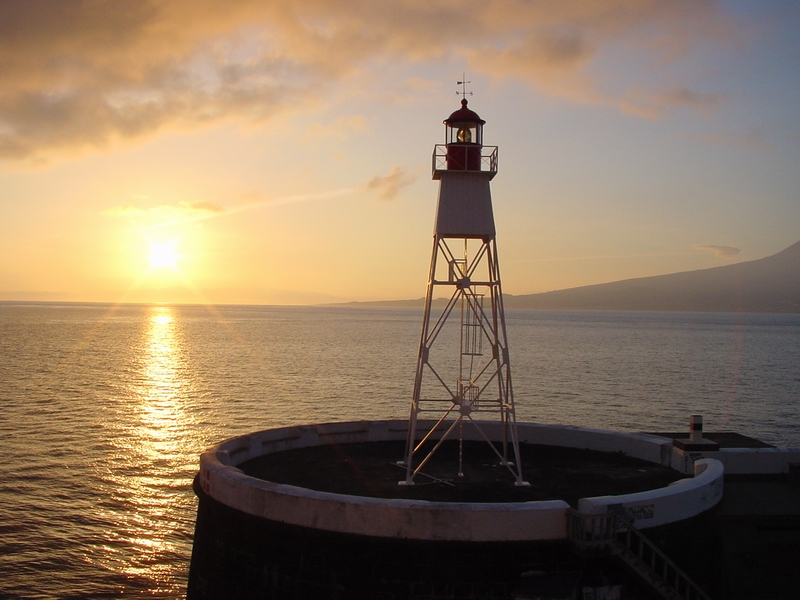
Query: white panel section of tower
465, 205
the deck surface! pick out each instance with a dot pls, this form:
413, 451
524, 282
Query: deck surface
370, 469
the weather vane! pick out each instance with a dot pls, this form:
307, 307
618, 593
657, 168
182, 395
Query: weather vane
463, 83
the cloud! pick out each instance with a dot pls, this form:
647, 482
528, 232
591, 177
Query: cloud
554, 46
656, 104
552, 62
167, 214
753, 139
88, 75
720, 251
389, 186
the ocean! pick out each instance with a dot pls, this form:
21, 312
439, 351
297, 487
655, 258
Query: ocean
105, 409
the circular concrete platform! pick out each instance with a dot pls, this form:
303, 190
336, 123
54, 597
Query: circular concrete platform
316, 510
370, 469
342, 477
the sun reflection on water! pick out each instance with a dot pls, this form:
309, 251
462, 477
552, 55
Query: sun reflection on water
156, 449
161, 411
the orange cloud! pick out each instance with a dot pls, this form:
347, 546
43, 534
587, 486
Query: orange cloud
80, 75
752, 139
656, 104
720, 251
167, 214
389, 186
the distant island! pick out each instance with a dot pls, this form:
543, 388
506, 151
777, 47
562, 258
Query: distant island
770, 284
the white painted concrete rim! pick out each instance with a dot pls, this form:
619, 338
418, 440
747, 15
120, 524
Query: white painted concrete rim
417, 519
680, 500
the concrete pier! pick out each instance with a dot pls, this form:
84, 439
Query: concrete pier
316, 510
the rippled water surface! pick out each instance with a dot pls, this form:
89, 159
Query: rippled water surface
104, 410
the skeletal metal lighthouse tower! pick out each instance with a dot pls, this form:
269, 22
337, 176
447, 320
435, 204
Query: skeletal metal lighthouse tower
463, 376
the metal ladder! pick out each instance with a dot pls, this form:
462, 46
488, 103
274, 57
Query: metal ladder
615, 534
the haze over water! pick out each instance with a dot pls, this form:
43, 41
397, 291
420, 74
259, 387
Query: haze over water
105, 409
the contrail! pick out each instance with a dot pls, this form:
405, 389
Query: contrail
294, 199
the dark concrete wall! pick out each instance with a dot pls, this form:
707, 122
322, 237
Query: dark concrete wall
239, 556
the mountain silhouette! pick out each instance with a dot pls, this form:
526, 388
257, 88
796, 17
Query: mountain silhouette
770, 284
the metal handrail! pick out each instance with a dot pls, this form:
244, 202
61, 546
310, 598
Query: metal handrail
604, 532
488, 158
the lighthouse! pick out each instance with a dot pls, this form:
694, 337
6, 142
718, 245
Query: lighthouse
463, 373
315, 510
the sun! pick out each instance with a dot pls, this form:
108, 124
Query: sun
163, 255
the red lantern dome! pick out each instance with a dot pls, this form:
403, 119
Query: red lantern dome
464, 115
464, 138
464, 126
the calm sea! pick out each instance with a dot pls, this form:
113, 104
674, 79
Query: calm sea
105, 409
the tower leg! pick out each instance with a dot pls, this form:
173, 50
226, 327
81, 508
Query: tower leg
456, 380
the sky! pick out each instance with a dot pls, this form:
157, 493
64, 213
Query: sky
200, 151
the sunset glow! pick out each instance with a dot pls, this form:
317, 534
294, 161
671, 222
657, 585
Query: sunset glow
163, 255
287, 145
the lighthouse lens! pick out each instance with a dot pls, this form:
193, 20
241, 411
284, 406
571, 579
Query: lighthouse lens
464, 135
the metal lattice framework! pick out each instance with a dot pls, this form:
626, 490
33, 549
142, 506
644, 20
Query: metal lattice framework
463, 370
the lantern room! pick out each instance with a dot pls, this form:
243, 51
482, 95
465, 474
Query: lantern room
463, 149
464, 127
